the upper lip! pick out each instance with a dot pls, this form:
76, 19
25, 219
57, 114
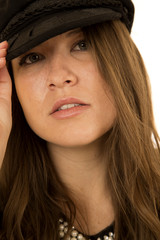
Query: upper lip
64, 101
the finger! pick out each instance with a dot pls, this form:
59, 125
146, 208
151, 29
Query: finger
5, 82
5, 87
2, 62
3, 45
3, 52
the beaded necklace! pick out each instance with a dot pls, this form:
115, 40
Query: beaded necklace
75, 234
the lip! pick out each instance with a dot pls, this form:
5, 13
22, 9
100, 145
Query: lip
69, 113
64, 101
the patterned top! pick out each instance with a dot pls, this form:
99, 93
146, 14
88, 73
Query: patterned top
103, 233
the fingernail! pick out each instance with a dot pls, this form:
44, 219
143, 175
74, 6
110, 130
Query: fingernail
3, 44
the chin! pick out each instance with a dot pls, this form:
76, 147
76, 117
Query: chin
75, 141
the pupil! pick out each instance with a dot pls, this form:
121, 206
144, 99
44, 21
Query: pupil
34, 58
83, 45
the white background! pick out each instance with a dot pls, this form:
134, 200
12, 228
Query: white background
146, 35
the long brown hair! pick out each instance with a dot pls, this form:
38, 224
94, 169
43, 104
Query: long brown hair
31, 194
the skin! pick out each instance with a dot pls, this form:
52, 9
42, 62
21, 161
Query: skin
5, 101
66, 69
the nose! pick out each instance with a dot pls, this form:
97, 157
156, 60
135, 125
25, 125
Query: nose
60, 73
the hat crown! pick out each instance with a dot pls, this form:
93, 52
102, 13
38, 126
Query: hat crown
19, 19
11, 8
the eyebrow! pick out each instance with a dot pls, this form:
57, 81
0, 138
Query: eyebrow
75, 31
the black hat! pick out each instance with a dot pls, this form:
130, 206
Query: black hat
27, 23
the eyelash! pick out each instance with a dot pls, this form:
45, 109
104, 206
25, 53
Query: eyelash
41, 57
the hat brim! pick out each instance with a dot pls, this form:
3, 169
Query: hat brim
54, 24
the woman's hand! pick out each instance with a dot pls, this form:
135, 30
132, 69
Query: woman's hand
5, 101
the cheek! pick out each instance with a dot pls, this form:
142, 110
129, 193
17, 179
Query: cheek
31, 93
106, 112
30, 90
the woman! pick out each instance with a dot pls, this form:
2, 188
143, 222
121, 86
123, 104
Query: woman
77, 156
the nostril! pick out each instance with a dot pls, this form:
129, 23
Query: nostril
51, 85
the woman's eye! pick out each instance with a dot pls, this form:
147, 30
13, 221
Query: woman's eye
81, 46
30, 59
35, 57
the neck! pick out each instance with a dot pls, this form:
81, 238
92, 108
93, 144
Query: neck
79, 165
83, 170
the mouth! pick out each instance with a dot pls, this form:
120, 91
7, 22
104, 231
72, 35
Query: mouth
71, 112
69, 107
67, 103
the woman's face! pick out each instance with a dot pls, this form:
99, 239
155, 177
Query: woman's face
63, 67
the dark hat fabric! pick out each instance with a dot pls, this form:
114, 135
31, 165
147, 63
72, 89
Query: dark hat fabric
25, 24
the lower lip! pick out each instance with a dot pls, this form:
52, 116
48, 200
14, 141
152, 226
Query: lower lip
71, 112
